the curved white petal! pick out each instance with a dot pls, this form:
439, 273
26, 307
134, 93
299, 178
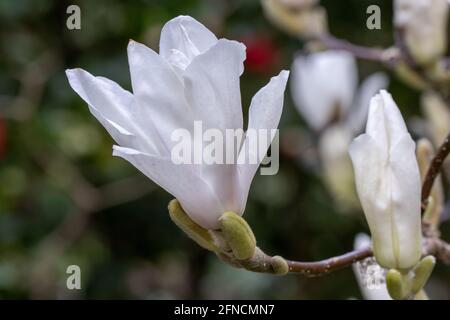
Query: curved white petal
213, 94
185, 35
212, 86
322, 82
264, 113
388, 184
113, 106
357, 115
159, 95
195, 196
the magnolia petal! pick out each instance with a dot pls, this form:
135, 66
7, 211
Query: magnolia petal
213, 94
388, 184
372, 184
322, 82
264, 113
159, 95
212, 85
385, 123
113, 107
180, 181
406, 192
186, 35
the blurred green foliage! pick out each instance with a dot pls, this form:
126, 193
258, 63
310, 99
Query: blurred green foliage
65, 200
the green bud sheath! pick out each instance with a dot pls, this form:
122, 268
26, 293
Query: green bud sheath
422, 272
279, 265
193, 230
238, 235
397, 285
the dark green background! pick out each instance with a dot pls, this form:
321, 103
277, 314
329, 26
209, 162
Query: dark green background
65, 200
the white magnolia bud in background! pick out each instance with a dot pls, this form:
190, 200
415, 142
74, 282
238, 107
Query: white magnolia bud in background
424, 25
437, 117
296, 17
323, 85
378, 291
388, 184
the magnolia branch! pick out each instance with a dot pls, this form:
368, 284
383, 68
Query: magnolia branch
434, 169
261, 262
384, 56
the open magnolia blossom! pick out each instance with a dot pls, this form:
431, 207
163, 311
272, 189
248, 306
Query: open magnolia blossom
195, 77
424, 24
388, 184
324, 87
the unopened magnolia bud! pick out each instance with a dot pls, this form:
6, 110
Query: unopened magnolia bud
388, 183
422, 272
279, 265
409, 76
398, 284
297, 21
193, 230
424, 27
437, 115
238, 235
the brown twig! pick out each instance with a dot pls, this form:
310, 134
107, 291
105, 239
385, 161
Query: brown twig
433, 170
362, 52
323, 267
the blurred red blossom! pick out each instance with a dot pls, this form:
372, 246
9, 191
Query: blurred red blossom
263, 56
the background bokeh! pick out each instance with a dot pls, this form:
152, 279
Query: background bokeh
65, 200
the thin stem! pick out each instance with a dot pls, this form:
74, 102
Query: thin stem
434, 169
323, 267
362, 52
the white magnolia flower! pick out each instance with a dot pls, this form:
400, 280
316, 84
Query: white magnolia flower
195, 77
388, 184
424, 23
324, 86
372, 282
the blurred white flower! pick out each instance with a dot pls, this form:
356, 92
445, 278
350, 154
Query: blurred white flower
324, 86
195, 77
371, 273
388, 184
424, 24
300, 18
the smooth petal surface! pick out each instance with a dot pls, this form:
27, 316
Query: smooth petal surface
388, 184
185, 35
322, 84
212, 87
159, 95
194, 78
113, 107
180, 181
264, 113
213, 93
